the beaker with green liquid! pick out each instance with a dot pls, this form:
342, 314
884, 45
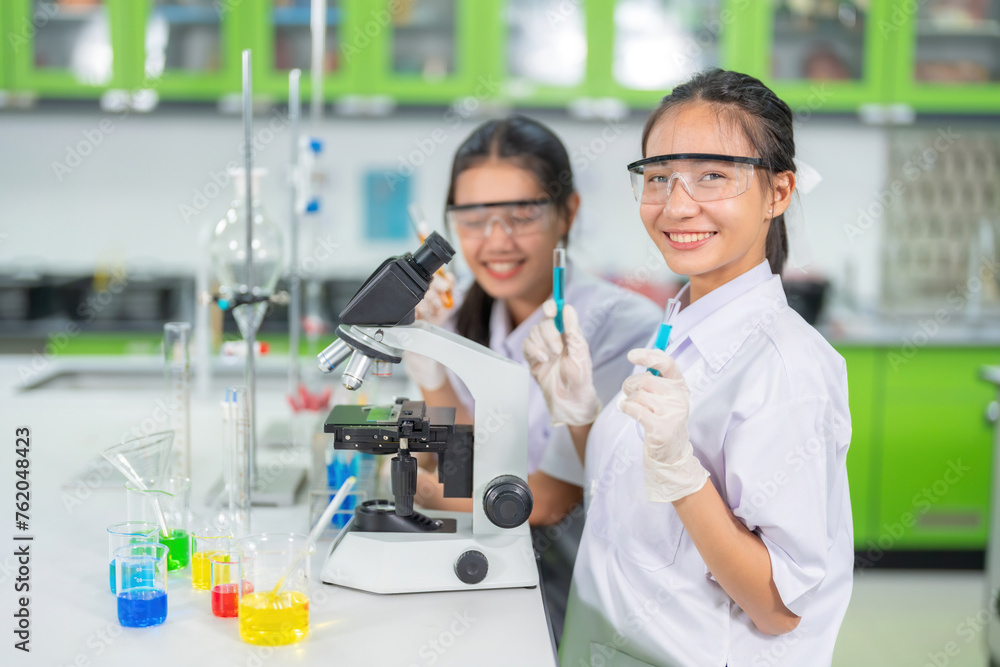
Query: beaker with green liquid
169, 500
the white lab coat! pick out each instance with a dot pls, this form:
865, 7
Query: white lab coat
769, 420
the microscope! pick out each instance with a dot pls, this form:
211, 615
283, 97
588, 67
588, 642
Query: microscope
388, 547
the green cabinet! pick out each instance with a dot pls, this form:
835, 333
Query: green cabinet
946, 57
920, 461
820, 56
864, 396
67, 49
936, 448
186, 50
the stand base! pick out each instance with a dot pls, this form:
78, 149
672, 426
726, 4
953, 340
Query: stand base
390, 563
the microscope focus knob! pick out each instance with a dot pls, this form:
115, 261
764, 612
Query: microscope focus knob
471, 567
507, 501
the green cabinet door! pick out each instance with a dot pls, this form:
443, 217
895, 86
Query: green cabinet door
187, 50
819, 57
645, 48
936, 449
427, 51
279, 33
544, 52
946, 56
69, 50
5, 35
864, 389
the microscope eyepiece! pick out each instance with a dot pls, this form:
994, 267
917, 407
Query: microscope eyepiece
434, 253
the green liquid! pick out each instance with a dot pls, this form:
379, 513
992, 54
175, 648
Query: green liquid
179, 544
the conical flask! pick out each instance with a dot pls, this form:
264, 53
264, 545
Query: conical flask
229, 248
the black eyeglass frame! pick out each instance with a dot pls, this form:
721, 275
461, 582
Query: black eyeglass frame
755, 161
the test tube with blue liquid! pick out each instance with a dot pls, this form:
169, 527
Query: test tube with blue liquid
559, 284
663, 333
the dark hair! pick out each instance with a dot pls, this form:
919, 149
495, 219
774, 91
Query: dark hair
765, 120
530, 145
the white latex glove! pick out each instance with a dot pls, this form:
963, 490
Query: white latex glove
561, 365
431, 309
660, 405
427, 373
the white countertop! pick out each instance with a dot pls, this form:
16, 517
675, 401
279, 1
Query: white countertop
74, 615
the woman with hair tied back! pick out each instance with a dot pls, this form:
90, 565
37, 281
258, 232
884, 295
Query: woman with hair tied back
511, 202
718, 524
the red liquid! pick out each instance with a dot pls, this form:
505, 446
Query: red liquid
226, 599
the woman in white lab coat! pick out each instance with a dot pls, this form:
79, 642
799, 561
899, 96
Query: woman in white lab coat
753, 567
510, 202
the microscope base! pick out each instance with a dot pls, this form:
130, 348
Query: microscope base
389, 563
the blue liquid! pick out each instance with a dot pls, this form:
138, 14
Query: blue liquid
558, 294
135, 575
662, 338
142, 607
336, 474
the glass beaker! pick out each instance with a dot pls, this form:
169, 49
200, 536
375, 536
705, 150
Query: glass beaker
123, 534
204, 545
227, 575
268, 618
172, 497
141, 580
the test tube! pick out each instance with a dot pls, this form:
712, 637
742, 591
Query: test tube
236, 415
177, 372
559, 284
663, 333
423, 231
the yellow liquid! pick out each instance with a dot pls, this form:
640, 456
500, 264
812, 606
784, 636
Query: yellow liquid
201, 570
272, 620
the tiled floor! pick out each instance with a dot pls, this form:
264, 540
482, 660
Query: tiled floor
908, 619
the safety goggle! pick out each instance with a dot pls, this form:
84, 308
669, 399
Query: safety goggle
517, 218
704, 176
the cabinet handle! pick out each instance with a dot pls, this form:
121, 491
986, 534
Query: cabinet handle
993, 412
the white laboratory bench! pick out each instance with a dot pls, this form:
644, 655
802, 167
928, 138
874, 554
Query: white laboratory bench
74, 615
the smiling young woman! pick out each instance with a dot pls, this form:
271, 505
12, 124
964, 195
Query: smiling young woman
718, 515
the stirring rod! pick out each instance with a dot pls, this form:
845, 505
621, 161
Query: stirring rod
419, 223
324, 521
559, 284
663, 333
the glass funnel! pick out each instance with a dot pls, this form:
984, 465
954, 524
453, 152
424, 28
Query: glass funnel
229, 253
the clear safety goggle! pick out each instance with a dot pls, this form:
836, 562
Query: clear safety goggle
517, 218
704, 176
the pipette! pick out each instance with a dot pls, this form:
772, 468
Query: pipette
423, 230
559, 284
663, 333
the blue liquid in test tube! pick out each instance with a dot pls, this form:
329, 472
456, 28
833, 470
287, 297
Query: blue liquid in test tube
663, 333
559, 285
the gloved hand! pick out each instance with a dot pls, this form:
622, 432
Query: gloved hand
561, 365
427, 373
660, 405
431, 309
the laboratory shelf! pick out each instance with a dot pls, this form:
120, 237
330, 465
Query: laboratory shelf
184, 14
